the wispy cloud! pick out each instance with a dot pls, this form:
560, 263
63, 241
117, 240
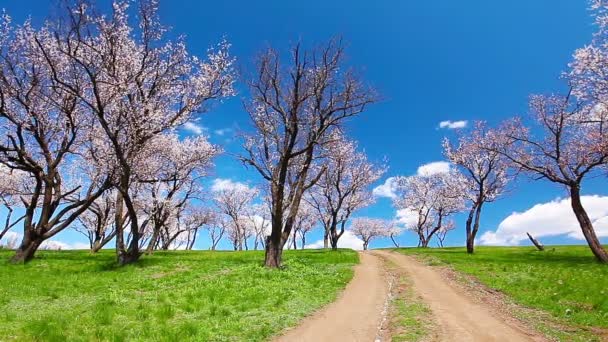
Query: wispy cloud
387, 189
195, 128
453, 124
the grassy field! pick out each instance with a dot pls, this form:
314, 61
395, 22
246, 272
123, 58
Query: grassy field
170, 296
564, 281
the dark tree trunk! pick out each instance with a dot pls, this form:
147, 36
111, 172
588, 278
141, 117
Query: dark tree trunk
29, 245
153, 240
586, 225
274, 252
472, 231
536, 243
394, 241
365, 244
326, 239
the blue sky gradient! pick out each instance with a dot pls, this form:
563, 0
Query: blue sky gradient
431, 60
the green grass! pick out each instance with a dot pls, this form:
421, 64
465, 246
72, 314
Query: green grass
564, 281
410, 318
170, 296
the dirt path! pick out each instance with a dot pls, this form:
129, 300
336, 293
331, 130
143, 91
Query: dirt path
356, 315
458, 317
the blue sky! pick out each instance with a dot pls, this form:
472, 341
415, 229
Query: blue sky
431, 60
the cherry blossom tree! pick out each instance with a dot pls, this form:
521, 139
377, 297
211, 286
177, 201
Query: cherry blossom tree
344, 187
13, 186
139, 85
258, 218
97, 222
443, 232
42, 126
215, 229
305, 222
368, 229
233, 201
294, 108
485, 170
431, 199
170, 177
573, 144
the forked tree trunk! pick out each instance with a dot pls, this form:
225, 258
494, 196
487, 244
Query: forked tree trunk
27, 249
586, 226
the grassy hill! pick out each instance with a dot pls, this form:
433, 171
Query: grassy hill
564, 281
169, 296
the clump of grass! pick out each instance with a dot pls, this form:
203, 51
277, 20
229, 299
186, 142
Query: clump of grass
197, 295
410, 318
564, 281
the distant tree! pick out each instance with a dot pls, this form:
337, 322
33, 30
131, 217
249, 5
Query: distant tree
368, 229
97, 222
257, 219
13, 186
171, 180
485, 171
294, 109
443, 232
233, 202
343, 187
305, 222
431, 199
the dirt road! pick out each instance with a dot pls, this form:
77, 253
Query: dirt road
356, 315
458, 317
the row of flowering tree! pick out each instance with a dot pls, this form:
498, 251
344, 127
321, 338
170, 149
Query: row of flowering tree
89, 105
90, 108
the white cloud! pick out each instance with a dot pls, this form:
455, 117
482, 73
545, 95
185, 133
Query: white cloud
549, 219
223, 131
453, 124
220, 184
407, 217
387, 189
13, 239
433, 168
348, 240
194, 128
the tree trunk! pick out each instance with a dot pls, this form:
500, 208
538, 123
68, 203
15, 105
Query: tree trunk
394, 242
472, 231
535, 242
274, 252
365, 244
326, 240
586, 225
27, 249
153, 240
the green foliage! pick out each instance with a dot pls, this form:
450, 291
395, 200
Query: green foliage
564, 281
198, 295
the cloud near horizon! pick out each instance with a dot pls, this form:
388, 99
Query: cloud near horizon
549, 219
348, 240
453, 124
388, 188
